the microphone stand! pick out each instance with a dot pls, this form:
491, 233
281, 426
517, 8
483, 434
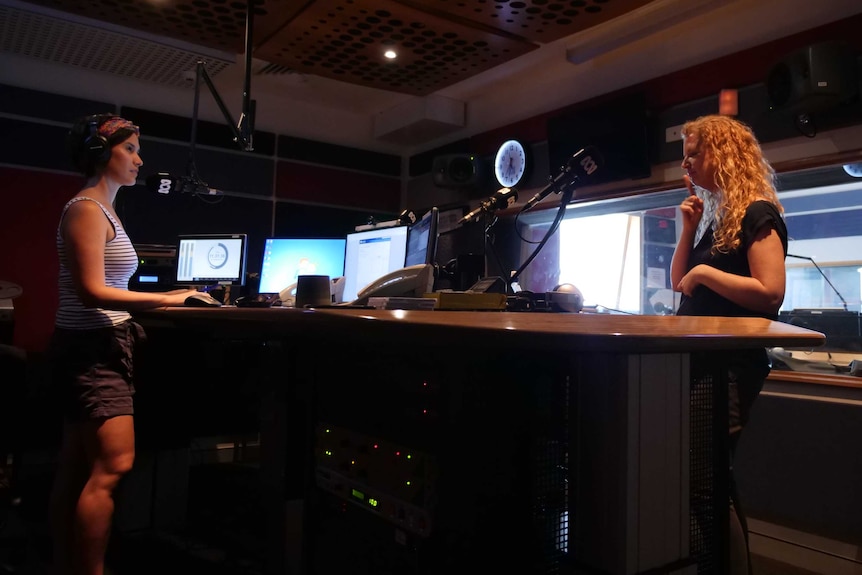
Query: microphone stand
244, 129
843, 301
567, 194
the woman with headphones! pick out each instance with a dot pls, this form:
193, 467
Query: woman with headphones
91, 349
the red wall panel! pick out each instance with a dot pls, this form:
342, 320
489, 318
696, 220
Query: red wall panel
28, 225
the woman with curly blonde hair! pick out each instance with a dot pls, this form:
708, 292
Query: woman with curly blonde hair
729, 261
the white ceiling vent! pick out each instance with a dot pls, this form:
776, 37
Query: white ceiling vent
36, 32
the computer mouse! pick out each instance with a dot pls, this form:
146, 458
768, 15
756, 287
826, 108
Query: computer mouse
202, 299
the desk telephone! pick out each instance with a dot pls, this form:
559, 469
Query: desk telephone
411, 281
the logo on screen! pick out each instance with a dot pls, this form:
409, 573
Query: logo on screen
217, 256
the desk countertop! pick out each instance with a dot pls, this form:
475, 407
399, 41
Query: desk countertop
545, 331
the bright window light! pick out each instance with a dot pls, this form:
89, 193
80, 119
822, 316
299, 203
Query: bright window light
601, 255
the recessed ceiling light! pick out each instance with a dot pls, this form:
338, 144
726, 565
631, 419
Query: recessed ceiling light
390, 54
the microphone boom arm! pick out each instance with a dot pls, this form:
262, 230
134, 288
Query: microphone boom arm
244, 129
843, 301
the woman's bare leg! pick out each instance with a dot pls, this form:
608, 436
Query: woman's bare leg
110, 448
71, 475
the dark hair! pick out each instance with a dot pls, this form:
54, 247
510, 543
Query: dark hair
90, 151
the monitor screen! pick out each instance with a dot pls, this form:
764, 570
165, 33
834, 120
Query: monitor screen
285, 259
422, 240
371, 254
208, 259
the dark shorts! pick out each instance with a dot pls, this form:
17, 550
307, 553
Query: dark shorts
92, 370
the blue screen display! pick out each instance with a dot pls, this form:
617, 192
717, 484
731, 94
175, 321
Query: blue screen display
285, 259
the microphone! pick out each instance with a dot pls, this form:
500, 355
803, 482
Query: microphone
503, 198
407, 218
584, 162
166, 184
843, 301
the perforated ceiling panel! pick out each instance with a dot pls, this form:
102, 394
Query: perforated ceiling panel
96, 48
439, 42
346, 40
540, 21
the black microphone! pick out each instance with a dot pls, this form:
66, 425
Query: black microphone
584, 162
166, 184
843, 301
407, 218
503, 198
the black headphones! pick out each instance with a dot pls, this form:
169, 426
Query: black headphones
95, 150
88, 148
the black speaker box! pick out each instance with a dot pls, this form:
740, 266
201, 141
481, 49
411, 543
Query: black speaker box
458, 171
816, 78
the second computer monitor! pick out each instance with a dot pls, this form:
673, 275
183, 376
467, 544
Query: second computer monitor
285, 259
371, 254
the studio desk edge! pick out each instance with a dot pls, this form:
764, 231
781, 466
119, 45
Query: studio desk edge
545, 331
629, 473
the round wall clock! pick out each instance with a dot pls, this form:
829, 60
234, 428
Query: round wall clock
510, 164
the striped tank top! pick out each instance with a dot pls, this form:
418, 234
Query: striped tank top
121, 261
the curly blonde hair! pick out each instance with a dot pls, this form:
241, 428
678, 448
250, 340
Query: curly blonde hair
742, 174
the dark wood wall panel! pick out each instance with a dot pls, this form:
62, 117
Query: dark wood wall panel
32, 144
54, 107
302, 150
321, 185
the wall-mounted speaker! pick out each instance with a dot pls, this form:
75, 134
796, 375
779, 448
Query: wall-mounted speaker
458, 171
816, 78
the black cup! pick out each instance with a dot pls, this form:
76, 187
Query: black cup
313, 291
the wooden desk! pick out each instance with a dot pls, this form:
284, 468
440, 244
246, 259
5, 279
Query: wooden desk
538, 441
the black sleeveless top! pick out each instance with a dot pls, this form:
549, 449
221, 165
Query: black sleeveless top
704, 301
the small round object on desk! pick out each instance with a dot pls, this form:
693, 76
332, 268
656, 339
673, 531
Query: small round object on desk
565, 297
8, 290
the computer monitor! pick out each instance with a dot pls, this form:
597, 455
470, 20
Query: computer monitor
211, 259
285, 259
422, 240
372, 254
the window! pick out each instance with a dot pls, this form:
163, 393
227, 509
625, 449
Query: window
618, 253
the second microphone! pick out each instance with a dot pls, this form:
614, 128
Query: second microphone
503, 198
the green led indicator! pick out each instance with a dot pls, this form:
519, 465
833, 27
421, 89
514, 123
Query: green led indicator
357, 494
372, 502
409, 456
327, 452
408, 482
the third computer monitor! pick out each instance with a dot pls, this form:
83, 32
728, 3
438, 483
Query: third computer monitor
422, 240
371, 254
